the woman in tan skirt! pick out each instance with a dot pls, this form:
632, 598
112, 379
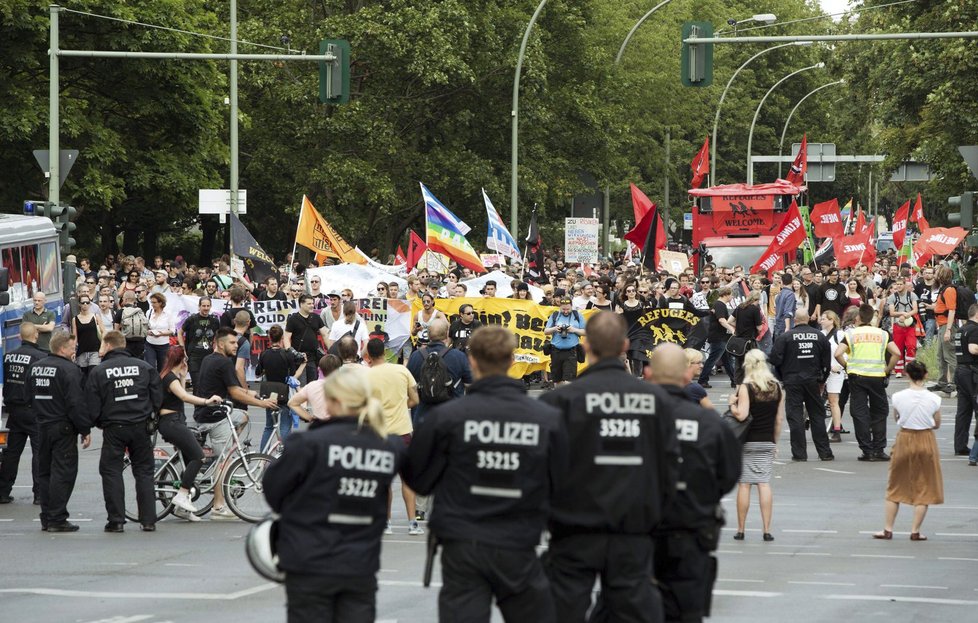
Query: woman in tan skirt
915, 467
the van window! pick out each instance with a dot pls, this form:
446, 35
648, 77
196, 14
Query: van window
31, 267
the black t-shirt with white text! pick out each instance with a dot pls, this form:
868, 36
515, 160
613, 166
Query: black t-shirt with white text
461, 332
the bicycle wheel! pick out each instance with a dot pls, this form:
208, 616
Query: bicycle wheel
165, 486
243, 490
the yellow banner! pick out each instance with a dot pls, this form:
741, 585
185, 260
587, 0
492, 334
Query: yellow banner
524, 318
317, 235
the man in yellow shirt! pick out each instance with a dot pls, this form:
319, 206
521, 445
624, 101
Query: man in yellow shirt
397, 392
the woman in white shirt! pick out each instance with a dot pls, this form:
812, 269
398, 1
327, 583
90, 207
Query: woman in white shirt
349, 323
915, 464
161, 327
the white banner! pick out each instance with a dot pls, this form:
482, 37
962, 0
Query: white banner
362, 280
503, 288
581, 240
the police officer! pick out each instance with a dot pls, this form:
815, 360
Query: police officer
710, 467
622, 476
124, 393
55, 388
802, 359
966, 379
492, 459
330, 489
21, 421
869, 373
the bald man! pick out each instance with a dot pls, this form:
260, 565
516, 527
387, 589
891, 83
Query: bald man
710, 467
454, 360
802, 359
21, 421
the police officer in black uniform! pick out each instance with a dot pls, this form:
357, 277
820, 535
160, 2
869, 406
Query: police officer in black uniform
55, 388
21, 421
621, 478
124, 393
802, 359
710, 467
330, 489
492, 460
966, 377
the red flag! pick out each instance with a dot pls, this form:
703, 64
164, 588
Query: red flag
917, 215
940, 240
900, 224
796, 174
641, 204
790, 236
853, 250
416, 248
827, 219
399, 257
920, 255
860, 221
649, 231
700, 164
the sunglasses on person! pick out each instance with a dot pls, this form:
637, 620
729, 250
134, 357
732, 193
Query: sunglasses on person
84, 302
704, 281
381, 289
90, 281
629, 290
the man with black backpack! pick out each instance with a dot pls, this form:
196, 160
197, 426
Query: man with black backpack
950, 309
441, 372
564, 328
133, 324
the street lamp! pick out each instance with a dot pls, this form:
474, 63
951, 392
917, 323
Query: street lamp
784, 132
762, 18
750, 135
716, 119
514, 158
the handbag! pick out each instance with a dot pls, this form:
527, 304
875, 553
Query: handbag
738, 346
738, 427
548, 348
581, 356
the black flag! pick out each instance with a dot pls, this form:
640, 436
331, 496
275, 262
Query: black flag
258, 264
652, 243
534, 253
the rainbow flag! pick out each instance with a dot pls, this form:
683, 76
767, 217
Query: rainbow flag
445, 233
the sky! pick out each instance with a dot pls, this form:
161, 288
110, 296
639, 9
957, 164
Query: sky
834, 6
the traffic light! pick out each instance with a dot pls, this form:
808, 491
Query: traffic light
334, 76
696, 61
965, 217
41, 208
66, 227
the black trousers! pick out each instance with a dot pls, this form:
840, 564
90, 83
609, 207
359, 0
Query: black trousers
473, 573
563, 365
624, 564
967, 381
22, 427
325, 599
685, 573
115, 439
194, 359
799, 397
869, 406
137, 348
57, 468
173, 429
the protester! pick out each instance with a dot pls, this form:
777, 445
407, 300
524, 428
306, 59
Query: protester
309, 403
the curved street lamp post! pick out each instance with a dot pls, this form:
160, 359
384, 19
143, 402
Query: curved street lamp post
784, 132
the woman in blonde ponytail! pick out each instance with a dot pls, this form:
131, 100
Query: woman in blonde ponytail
330, 489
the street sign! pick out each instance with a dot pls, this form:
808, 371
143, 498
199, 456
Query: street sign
66, 160
818, 171
970, 155
218, 201
688, 221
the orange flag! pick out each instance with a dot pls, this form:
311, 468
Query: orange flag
317, 235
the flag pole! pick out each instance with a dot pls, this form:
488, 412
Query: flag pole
295, 241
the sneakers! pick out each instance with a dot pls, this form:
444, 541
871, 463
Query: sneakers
936, 387
835, 437
183, 514
388, 529
419, 515
415, 529
182, 500
222, 514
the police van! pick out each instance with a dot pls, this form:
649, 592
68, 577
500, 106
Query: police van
30, 254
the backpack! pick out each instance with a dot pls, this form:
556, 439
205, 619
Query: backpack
434, 383
134, 323
574, 312
965, 299
335, 348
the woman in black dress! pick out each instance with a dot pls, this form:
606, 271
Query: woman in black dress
639, 337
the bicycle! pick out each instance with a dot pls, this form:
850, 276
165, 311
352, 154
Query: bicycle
242, 483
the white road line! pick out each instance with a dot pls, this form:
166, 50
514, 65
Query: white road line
415, 542
823, 583
729, 551
875, 531
879, 556
957, 508
955, 534
728, 593
935, 588
414, 583
798, 554
122, 619
744, 581
811, 531
11, 520
833, 471
962, 559
904, 599
57, 592
181, 564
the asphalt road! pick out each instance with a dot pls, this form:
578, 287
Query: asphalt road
822, 566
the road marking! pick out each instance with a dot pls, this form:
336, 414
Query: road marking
823, 583
962, 559
124, 619
833, 471
414, 583
798, 554
959, 508
57, 592
729, 593
956, 534
744, 581
811, 531
181, 564
11, 520
416, 541
936, 588
904, 599
879, 556
875, 531
729, 551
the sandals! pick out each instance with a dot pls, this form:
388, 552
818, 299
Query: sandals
739, 536
768, 536
885, 535
916, 536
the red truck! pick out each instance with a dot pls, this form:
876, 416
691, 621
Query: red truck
735, 223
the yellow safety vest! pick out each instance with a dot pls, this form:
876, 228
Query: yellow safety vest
867, 351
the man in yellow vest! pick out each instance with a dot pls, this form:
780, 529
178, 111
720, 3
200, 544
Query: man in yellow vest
869, 375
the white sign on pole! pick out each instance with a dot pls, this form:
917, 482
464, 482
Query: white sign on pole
218, 201
688, 221
581, 240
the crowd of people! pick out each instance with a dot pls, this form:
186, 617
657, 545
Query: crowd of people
797, 346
